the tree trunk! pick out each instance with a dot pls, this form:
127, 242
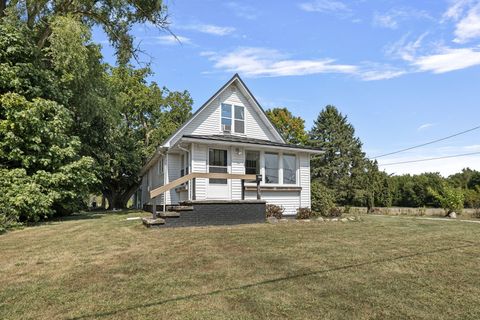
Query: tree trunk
3, 6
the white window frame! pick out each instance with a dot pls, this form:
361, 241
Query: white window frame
209, 166
232, 118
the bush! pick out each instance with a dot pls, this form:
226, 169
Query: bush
274, 211
322, 199
451, 199
305, 213
334, 212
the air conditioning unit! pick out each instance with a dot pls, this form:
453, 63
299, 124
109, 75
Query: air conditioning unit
226, 128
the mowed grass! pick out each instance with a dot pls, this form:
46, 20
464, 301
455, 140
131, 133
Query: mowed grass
101, 266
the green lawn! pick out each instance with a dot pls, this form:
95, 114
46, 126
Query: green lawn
103, 267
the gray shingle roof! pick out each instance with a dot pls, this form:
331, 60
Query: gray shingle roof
237, 139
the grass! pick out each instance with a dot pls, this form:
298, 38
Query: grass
100, 266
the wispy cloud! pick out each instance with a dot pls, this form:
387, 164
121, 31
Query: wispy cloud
448, 59
392, 18
171, 40
265, 62
466, 15
325, 6
208, 29
425, 126
242, 10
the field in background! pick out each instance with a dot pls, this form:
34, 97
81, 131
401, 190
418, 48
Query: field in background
99, 266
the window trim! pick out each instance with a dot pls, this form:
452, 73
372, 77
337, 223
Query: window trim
232, 118
295, 168
226, 167
278, 167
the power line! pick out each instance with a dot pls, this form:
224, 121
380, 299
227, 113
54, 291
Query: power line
430, 159
427, 143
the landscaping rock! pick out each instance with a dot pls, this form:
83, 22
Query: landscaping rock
320, 219
452, 215
344, 220
272, 220
334, 219
283, 220
351, 218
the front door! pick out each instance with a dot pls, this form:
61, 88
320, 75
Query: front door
218, 189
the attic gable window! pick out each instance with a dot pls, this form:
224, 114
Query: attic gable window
235, 114
226, 117
239, 119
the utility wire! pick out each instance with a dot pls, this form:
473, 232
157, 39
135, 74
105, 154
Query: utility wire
429, 159
427, 143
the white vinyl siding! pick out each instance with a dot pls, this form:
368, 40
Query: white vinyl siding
289, 200
208, 121
199, 164
238, 159
305, 196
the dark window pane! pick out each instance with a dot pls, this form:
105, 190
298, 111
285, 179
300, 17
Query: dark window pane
271, 168
289, 169
239, 113
239, 126
217, 164
252, 162
226, 110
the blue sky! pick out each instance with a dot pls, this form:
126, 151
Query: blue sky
404, 72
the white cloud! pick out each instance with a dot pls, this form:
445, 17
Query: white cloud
448, 59
324, 6
209, 29
171, 40
263, 62
392, 18
425, 126
468, 28
242, 10
456, 9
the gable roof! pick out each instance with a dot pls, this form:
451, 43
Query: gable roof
248, 94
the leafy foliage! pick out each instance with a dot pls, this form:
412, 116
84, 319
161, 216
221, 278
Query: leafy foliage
274, 211
450, 198
290, 127
322, 198
305, 213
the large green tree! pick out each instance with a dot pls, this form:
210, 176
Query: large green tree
290, 127
145, 115
342, 166
115, 17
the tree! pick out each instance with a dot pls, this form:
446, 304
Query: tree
450, 198
342, 165
146, 115
115, 17
290, 127
41, 171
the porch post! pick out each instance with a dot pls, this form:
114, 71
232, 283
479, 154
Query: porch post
259, 179
164, 201
243, 189
154, 208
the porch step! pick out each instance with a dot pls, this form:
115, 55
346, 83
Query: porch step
150, 222
181, 208
168, 214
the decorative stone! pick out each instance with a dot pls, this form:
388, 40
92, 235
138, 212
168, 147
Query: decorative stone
452, 215
334, 219
344, 220
150, 222
272, 220
320, 219
305, 220
351, 218
283, 220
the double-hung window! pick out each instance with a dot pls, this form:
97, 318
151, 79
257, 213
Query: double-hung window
226, 117
271, 167
233, 114
239, 119
217, 163
289, 169
252, 162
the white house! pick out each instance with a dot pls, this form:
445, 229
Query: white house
230, 136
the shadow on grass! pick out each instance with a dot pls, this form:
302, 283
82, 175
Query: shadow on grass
266, 282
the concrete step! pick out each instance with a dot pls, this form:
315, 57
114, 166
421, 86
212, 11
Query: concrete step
180, 208
150, 222
168, 214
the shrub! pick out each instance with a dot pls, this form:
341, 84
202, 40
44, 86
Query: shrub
274, 211
451, 199
322, 199
335, 212
305, 213
346, 209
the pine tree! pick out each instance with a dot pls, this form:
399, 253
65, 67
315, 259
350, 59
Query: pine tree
342, 167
